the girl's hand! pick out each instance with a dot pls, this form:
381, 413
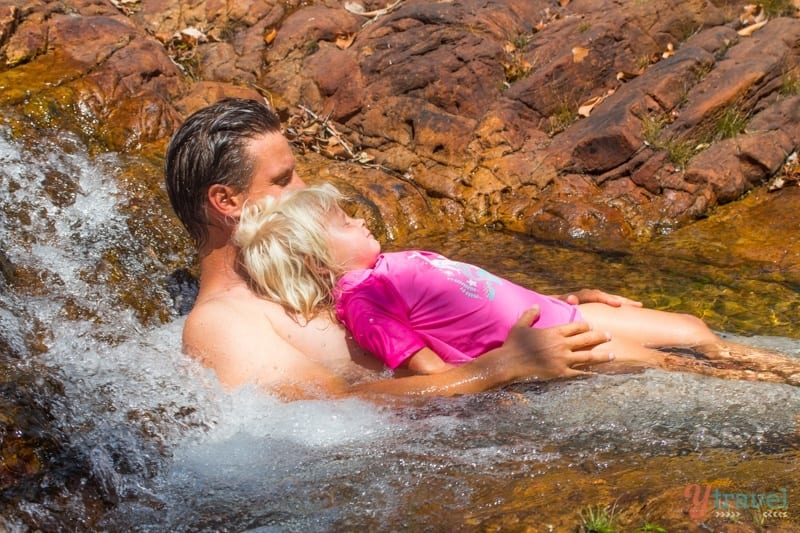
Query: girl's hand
585, 296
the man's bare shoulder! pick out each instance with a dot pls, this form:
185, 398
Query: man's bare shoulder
236, 299
236, 333
236, 308
232, 333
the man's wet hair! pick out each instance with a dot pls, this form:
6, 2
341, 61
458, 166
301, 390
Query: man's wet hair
211, 147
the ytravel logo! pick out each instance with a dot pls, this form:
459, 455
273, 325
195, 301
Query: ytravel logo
704, 498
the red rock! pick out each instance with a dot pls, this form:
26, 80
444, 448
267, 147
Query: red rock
474, 103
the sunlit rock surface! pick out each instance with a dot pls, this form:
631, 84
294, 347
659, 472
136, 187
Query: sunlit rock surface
587, 121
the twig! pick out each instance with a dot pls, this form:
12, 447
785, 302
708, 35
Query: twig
330, 129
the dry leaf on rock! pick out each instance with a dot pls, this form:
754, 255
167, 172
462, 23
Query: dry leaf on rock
585, 109
752, 13
191, 36
747, 31
334, 149
358, 9
670, 51
270, 35
579, 54
562, 3
129, 7
344, 40
364, 157
625, 76
354, 7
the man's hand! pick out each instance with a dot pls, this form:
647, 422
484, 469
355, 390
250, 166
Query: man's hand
541, 354
585, 296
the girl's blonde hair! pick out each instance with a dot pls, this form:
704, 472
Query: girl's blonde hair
283, 247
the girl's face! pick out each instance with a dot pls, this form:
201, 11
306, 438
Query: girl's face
351, 244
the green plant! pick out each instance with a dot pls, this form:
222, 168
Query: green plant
652, 125
564, 114
680, 150
778, 8
643, 61
651, 528
758, 517
515, 66
688, 28
520, 40
598, 519
730, 122
701, 70
790, 83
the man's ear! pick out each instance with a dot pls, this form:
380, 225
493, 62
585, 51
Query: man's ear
223, 199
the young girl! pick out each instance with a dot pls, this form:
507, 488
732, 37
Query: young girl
416, 309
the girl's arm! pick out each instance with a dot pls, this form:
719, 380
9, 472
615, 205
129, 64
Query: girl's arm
426, 361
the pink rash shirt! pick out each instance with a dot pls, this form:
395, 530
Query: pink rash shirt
413, 299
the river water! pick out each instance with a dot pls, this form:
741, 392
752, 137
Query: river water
132, 435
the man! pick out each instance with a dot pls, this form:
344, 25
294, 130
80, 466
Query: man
234, 151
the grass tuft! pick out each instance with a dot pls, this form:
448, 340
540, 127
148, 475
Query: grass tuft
598, 519
790, 84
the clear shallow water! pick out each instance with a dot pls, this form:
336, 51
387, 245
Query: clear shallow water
165, 448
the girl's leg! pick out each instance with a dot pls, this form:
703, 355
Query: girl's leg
635, 331
734, 369
753, 359
648, 327
630, 352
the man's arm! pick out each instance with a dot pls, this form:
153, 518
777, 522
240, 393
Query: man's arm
245, 349
528, 354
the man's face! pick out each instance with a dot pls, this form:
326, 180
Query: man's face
273, 167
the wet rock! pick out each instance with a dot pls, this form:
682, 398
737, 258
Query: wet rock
112, 91
733, 166
183, 287
475, 104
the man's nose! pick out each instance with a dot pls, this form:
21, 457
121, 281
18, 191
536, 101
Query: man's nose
296, 182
